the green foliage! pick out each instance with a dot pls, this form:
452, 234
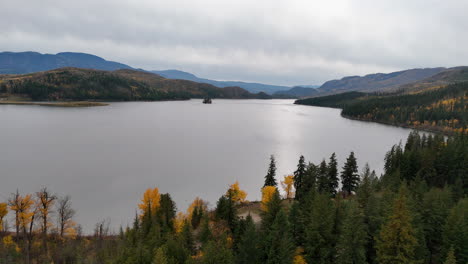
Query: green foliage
351, 247
455, 232
249, 245
270, 177
349, 177
217, 253
319, 240
444, 109
278, 245
397, 242
299, 176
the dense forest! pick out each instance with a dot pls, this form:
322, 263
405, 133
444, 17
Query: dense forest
120, 85
416, 212
444, 109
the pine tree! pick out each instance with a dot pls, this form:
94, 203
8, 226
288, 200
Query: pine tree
205, 232
319, 242
322, 178
397, 242
451, 259
270, 177
160, 256
272, 208
299, 176
455, 233
349, 175
248, 249
333, 174
217, 253
278, 244
187, 237
351, 248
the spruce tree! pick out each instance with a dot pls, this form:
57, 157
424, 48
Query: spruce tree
332, 174
397, 242
249, 251
278, 244
272, 209
349, 175
455, 233
322, 178
451, 259
299, 176
270, 177
351, 248
319, 242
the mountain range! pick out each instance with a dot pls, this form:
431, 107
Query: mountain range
412, 79
29, 62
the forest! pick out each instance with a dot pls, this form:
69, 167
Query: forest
415, 212
120, 85
442, 110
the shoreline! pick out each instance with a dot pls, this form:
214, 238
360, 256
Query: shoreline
57, 104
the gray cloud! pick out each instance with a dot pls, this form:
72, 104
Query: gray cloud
272, 41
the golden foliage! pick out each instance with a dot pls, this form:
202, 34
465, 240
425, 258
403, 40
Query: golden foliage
267, 194
179, 221
197, 203
288, 184
3, 213
237, 195
299, 259
150, 201
22, 206
10, 244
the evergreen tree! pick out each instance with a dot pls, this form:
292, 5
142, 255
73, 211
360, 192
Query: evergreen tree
249, 251
396, 242
273, 206
278, 244
333, 174
160, 256
349, 175
299, 176
319, 242
351, 248
455, 233
187, 237
451, 259
205, 233
323, 183
217, 253
365, 189
270, 177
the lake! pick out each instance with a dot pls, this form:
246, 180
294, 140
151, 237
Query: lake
105, 157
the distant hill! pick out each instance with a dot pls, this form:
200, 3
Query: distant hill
377, 81
443, 109
252, 87
298, 91
124, 84
441, 79
28, 62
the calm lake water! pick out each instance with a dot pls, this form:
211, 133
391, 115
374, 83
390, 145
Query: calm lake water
105, 157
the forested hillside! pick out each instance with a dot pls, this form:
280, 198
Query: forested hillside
444, 109
128, 85
416, 212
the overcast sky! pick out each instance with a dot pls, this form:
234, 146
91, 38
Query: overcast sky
279, 42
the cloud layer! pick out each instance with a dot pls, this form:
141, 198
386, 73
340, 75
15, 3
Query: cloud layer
271, 41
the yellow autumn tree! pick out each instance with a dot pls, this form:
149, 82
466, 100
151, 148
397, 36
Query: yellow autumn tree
288, 184
150, 201
179, 221
3, 213
22, 206
267, 194
237, 195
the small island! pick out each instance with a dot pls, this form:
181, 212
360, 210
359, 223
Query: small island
207, 100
